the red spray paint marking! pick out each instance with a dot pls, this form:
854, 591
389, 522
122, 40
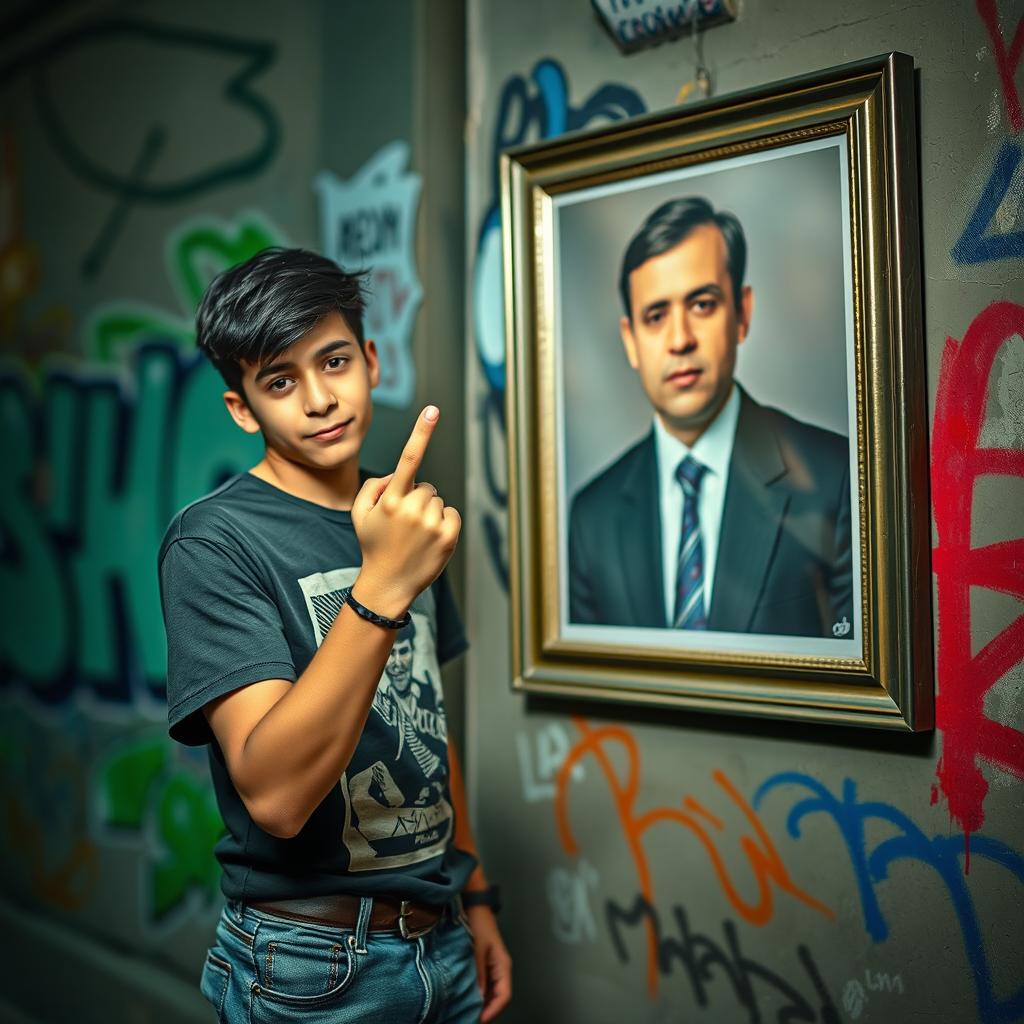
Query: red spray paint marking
957, 463
1007, 61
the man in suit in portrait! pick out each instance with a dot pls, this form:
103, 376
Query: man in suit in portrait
728, 515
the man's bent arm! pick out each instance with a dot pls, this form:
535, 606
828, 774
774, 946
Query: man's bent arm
286, 744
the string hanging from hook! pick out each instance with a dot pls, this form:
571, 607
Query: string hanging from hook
703, 75
701, 81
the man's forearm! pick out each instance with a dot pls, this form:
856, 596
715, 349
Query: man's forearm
299, 749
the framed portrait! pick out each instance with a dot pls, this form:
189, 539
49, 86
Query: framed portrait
716, 405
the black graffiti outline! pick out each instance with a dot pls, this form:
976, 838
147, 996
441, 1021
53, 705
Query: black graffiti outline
133, 187
699, 954
260, 56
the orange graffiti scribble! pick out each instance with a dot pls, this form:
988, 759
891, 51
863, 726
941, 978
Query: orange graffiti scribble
67, 885
764, 859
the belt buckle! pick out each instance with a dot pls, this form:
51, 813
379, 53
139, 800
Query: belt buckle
404, 911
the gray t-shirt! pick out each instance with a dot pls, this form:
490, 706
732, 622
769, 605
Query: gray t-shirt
251, 579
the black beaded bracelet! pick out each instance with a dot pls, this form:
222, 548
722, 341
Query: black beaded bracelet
489, 897
378, 620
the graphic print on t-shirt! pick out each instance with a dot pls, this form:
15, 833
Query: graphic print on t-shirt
396, 811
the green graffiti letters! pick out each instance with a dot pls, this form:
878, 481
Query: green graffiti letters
189, 825
143, 795
119, 528
125, 783
110, 463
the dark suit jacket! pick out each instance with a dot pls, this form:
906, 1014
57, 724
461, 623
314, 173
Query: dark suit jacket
784, 561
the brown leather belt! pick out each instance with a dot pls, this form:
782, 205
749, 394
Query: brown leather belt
341, 910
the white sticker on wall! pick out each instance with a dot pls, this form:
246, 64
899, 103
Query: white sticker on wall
369, 222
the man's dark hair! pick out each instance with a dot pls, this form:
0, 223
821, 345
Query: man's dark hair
668, 226
255, 310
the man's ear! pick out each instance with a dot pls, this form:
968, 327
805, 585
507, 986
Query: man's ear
628, 341
746, 311
240, 412
372, 361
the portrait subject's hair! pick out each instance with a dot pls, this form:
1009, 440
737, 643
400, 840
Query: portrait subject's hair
256, 310
668, 226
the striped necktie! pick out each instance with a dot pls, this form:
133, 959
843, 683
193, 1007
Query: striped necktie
689, 610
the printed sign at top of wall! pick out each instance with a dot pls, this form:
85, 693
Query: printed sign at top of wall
369, 223
635, 24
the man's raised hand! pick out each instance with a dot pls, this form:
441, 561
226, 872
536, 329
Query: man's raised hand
406, 532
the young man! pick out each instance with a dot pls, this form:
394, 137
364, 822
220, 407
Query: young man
348, 857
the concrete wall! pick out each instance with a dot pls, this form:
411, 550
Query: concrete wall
143, 148
754, 840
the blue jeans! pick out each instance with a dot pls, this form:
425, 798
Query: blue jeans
264, 969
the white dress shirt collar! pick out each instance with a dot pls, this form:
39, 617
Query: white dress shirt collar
712, 449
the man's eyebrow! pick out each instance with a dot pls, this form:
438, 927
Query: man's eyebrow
652, 306
281, 367
709, 288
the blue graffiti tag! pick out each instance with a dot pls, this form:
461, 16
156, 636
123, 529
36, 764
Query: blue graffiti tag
974, 245
527, 111
943, 853
526, 114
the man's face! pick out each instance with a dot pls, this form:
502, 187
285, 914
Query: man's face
399, 665
321, 383
684, 331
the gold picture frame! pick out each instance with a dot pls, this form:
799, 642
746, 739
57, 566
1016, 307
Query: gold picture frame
835, 265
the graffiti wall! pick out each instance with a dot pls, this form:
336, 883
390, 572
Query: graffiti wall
140, 154
655, 866
663, 866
